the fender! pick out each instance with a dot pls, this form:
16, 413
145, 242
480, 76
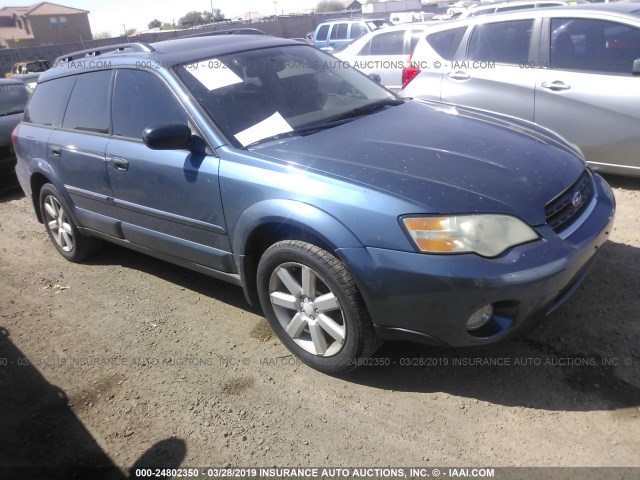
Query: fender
303, 216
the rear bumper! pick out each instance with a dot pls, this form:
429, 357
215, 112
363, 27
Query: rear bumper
429, 298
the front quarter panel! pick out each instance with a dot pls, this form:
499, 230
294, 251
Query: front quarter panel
342, 214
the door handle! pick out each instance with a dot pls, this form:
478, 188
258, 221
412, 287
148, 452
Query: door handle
120, 164
459, 75
556, 86
56, 150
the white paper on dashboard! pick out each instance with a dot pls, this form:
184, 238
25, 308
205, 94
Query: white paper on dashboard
213, 74
269, 127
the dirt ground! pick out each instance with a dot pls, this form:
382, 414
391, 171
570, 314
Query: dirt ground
126, 360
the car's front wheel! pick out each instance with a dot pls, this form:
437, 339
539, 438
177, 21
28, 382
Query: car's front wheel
314, 306
61, 228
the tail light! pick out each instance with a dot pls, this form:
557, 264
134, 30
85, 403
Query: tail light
409, 72
14, 136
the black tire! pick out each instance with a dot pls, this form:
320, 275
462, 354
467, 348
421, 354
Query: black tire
62, 230
330, 308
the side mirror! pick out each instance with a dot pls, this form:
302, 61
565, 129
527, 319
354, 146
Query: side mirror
636, 67
170, 136
376, 77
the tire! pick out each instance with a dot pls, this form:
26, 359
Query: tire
62, 230
314, 306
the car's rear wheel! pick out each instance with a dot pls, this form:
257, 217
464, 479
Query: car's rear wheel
62, 230
314, 306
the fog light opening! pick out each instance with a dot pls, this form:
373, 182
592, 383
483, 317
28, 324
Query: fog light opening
480, 318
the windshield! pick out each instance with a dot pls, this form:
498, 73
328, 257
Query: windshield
13, 99
261, 94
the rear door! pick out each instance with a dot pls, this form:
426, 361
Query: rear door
76, 150
492, 75
589, 94
168, 200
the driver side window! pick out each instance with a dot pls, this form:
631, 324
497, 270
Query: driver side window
141, 99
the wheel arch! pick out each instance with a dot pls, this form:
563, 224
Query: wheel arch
270, 221
41, 176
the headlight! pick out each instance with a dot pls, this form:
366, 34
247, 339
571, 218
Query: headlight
485, 234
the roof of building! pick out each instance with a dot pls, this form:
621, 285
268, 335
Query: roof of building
41, 9
14, 33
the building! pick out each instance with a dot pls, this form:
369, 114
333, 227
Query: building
393, 6
43, 23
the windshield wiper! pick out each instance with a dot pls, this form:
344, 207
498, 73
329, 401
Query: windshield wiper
4, 114
365, 109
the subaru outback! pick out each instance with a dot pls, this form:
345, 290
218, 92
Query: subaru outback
350, 215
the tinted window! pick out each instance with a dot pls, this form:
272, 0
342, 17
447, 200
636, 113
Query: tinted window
358, 29
13, 99
49, 101
390, 43
141, 99
339, 31
446, 43
593, 45
323, 31
88, 107
504, 42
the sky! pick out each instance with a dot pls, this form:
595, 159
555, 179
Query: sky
110, 15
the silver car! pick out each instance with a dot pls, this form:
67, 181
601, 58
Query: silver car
574, 70
384, 52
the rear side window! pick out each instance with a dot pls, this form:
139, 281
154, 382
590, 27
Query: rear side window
593, 45
390, 43
503, 42
339, 31
88, 108
323, 31
140, 99
49, 101
358, 30
446, 43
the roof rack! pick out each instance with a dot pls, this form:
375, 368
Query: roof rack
94, 52
231, 31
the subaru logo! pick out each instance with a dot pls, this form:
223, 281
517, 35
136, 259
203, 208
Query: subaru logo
576, 201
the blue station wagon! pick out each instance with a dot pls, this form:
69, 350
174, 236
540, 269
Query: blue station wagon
350, 215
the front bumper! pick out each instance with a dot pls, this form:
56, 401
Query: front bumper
429, 298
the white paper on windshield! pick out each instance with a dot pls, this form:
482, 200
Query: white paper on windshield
213, 74
269, 127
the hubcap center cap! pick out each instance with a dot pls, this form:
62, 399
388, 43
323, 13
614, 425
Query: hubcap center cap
307, 307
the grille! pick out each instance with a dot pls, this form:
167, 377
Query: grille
564, 209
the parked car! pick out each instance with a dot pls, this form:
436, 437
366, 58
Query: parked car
349, 214
34, 66
334, 35
13, 99
574, 70
384, 52
30, 80
502, 7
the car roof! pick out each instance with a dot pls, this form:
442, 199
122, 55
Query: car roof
628, 10
165, 53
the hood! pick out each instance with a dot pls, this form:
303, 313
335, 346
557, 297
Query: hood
446, 158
